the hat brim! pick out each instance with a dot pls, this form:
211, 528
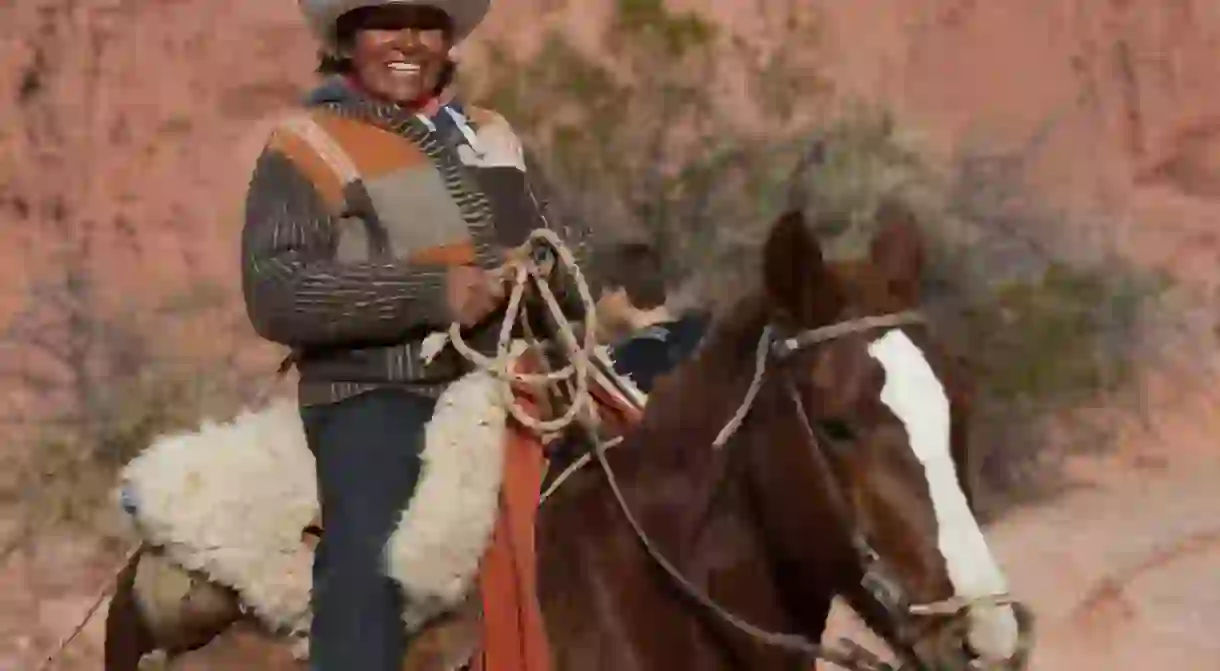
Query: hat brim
322, 15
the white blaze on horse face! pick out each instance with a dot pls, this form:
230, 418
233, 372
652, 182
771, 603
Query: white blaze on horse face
918, 399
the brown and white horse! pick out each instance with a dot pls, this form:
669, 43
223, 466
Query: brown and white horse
815, 446
847, 476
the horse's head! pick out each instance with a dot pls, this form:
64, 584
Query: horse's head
863, 416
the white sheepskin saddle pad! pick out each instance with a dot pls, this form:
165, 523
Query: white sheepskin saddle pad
230, 500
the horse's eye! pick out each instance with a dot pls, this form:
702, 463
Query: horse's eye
837, 430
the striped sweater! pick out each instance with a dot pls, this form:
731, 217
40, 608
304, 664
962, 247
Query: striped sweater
349, 270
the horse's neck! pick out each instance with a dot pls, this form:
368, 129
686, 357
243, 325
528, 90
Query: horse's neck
608, 606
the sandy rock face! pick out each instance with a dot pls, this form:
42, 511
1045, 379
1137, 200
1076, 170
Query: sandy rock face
1113, 101
148, 114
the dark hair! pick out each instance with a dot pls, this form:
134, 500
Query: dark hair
636, 268
331, 64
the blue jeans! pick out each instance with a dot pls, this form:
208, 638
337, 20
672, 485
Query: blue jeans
368, 463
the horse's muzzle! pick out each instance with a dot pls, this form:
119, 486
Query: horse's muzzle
948, 650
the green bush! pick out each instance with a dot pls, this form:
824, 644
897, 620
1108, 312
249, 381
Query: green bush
639, 145
1051, 333
1044, 330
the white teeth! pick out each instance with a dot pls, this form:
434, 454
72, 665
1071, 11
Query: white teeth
404, 67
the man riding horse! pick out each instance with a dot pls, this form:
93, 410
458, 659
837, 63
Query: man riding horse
374, 217
816, 447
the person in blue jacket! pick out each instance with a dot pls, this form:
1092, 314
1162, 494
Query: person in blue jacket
647, 339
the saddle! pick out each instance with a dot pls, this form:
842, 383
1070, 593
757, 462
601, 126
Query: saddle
498, 623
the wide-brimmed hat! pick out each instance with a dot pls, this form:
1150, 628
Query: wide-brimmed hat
466, 15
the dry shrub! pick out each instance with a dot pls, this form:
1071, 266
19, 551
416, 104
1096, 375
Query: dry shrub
638, 149
1048, 325
128, 381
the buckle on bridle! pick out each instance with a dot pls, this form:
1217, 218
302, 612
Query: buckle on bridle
782, 348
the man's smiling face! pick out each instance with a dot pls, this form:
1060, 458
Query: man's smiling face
398, 51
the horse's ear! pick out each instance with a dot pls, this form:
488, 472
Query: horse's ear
795, 273
897, 251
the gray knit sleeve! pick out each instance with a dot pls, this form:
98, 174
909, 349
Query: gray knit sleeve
299, 295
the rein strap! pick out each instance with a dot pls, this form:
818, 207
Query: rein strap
788, 346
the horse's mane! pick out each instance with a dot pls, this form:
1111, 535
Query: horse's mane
727, 346
688, 406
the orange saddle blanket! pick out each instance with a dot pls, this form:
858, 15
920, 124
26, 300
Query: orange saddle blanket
514, 634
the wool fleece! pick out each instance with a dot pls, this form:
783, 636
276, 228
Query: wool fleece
230, 501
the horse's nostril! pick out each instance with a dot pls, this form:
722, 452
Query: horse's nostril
975, 660
972, 656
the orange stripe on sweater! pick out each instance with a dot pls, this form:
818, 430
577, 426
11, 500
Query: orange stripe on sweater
312, 166
375, 150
